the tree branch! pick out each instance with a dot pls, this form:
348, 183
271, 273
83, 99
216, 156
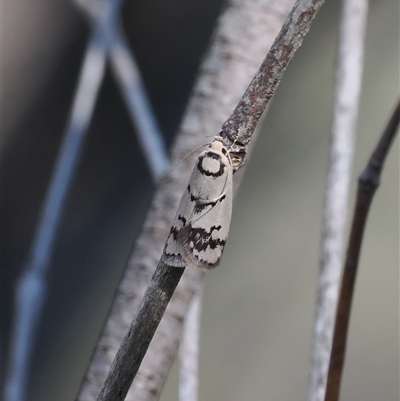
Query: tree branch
348, 77
239, 131
137, 340
224, 75
241, 124
368, 183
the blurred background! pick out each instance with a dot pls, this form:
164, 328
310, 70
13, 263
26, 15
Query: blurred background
259, 304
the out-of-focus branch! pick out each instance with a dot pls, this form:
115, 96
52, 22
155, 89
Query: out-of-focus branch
128, 77
242, 123
31, 286
368, 182
347, 91
189, 351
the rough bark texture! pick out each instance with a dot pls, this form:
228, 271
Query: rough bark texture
241, 124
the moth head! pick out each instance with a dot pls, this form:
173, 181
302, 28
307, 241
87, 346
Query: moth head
234, 151
217, 145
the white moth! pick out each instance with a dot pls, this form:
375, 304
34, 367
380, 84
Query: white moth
201, 225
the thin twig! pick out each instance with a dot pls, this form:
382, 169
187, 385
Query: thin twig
31, 286
137, 101
239, 126
346, 104
135, 344
368, 182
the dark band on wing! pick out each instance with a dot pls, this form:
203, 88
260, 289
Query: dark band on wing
182, 219
201, 239
201, 204
174, 230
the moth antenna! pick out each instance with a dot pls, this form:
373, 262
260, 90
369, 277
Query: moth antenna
205, 201
181, 160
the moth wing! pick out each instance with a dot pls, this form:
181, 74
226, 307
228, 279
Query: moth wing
173, 251
172, 255
203, 238
201, 225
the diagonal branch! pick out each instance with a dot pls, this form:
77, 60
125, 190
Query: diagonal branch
241, 124
368, 183
238, 129
134, 93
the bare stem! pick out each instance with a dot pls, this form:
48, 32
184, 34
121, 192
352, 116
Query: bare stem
144, 324
189, 351
368, 183
348, 77
239, 127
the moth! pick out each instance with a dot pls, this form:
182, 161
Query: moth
201, 225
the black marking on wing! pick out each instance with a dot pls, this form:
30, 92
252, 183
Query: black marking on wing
200, 239
174, 231
173, 259
202, 204
199, 207
212, 155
